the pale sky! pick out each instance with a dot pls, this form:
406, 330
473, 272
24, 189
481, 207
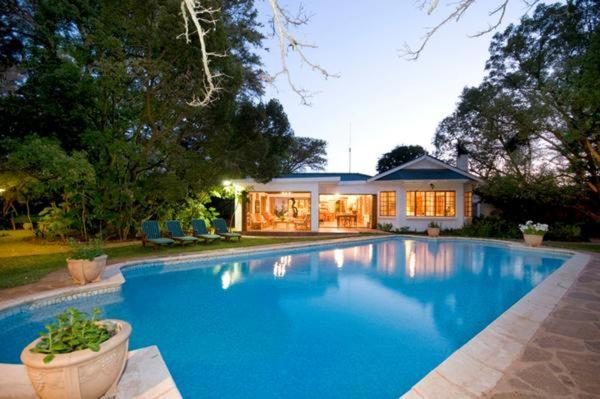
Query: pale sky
388, 100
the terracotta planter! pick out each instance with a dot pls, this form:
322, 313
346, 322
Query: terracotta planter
533, 240
82, 374
86, 271
433, 231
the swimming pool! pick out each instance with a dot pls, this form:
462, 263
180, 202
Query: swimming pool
363, 319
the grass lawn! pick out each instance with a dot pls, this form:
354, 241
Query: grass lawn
24, 260
576, 246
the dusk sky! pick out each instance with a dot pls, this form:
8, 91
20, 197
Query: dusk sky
387, 99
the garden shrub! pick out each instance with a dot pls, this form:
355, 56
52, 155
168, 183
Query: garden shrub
489, 227
385, 226
565, 232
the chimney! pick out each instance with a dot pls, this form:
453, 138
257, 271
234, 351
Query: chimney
462, 157
462, 162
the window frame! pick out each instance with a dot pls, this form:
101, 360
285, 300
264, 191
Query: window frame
430, 205
391, 211
468, 207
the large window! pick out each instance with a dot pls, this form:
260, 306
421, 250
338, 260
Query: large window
468, 204
387, 203
431, 203
278, 211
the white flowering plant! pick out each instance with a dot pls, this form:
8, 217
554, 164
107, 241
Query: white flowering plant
539, 229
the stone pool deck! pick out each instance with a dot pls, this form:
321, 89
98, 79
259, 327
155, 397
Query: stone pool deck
145, 377
563, 358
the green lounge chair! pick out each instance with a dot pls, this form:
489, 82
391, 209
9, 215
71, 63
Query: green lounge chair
151, 234
177, 233
200, 231
222, 230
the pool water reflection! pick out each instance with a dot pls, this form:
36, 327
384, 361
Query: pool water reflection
365, 320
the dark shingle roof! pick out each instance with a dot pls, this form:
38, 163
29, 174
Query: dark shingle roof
342, 176
423, 174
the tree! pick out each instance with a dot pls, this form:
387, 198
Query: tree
399, 155
305, 153
537, 109
109, 82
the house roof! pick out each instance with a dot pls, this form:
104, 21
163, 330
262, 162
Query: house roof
446, 172
423, 174
342, 176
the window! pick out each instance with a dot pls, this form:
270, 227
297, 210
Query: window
387, 203
468, 204
431, 203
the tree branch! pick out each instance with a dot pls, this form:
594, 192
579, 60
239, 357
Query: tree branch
281, 23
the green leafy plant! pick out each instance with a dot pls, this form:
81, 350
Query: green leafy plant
55, 222
385, 226
88, 250
73, 331
434, 225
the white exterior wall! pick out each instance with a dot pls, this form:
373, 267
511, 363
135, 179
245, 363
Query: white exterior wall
319, 186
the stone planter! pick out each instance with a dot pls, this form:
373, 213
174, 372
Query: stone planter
533, 240
83, 374
86, 271
433, 231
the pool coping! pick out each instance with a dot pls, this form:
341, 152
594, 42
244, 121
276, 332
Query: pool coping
470, 371
478, 366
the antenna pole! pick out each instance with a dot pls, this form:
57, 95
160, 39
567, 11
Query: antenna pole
350, 149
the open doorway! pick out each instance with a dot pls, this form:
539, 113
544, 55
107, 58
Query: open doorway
341, 211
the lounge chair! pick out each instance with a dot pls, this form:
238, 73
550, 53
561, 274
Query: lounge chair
177, 233
200, 231
151, 234
222, 230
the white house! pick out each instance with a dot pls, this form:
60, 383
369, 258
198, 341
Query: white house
410, 195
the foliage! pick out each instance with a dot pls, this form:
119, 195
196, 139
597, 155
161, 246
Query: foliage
73, 331
195, 209
96, 120
55, 222
305, 153
489, 227
565, 232
539, 197
537, 110
385, 226
538, 229
434, 225
88, 251
399, 155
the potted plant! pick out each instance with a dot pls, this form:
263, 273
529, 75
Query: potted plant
78, 356
86, 261
433, 229
533, 233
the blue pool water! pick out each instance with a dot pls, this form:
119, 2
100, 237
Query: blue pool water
366, 320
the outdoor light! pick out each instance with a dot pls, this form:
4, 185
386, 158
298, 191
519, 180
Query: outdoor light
2, 190
227, 183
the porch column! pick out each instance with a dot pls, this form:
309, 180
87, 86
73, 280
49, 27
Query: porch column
401, 206
314, 208
238, 214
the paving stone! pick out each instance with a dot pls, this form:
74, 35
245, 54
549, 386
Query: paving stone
593, 346
542, 378
563, 358
584, 296
572, 314
572, 329
584, 369
532, 354
557, 342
